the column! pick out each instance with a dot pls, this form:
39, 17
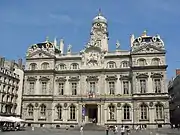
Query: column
1, 101
102, 114
118, 87
66, 114
119, 115
37, 87
151, 115
99, 114
150, 88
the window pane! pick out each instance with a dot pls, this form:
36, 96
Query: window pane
143, 86
126, 87
61, 88
74, 88
112, 88
157, 84
44, 87
92, 87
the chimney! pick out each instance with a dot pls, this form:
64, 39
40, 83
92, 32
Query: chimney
20, 63
177, 72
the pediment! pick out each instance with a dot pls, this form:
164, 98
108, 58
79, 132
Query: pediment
142, 75
156, 75
61, 79
111, 78
73, 78
44, 78
92, 78
148, 48
39, 53
31, 78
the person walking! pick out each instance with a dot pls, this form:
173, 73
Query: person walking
122, 130
115, 130
81, 130
107, 130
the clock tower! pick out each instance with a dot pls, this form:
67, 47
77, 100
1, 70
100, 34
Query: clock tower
99, 33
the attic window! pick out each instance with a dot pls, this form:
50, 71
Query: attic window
62, 66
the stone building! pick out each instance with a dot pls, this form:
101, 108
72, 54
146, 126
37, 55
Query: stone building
107, 87
11, 86
174, 104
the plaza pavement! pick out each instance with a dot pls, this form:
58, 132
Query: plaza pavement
45, 131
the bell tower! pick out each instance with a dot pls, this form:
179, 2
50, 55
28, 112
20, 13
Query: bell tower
99, 33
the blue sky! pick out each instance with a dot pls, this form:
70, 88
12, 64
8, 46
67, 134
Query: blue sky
25, 22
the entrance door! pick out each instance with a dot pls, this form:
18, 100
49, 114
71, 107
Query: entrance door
92, 113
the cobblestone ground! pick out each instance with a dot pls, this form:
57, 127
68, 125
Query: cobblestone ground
44, 131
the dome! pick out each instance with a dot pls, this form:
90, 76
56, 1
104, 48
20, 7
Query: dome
99, 19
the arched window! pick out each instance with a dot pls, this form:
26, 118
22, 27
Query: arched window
126, 109
33, 66
44, 65
155, 61
141, 62
62, 66
159, 111
43, 110
72, 112
111, 112
74, 66
143, 111
124, 64
30, 110
59, 111
111, 64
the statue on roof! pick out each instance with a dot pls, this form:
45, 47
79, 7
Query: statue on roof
144, 34
69, 48
47, 39
117, 45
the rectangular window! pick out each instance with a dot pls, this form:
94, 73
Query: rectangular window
111, 88
31, 87
61, 88
126, 87
74, 88
157, 85
143, 86
92, 87
44, 87
72, 113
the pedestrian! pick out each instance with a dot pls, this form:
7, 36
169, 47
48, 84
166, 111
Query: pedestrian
122, 130
115, 130
81, 130
32, 128
128, 130
107, 130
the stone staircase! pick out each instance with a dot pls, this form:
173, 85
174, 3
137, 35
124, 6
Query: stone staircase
93, 126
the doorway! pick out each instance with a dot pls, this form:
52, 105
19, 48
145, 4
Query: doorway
92, 113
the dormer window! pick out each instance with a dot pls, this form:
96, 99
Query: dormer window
62, 67
125, 64
156, 61
45, 66
74, 66
33, 66
111, 64
141, 62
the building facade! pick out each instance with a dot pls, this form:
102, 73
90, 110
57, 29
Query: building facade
109, 87
174, 104
11, 86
